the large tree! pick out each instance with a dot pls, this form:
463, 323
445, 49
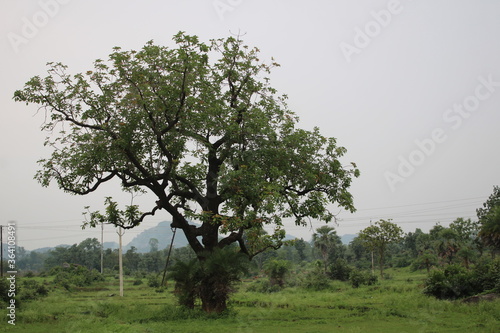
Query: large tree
200, 127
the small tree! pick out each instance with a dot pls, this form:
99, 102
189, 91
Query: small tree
325, 240
277, 269
376, 237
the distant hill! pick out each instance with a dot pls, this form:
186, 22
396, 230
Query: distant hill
111, 245
346, 239
162, 233
47, 249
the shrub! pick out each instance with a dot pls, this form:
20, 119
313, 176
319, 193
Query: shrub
455, 281
339, 270
358, 278
486, 275
31, 290
276, 270
29, 274
263, 286
211, 280
316, 279
154, 281
451, 283
75, 275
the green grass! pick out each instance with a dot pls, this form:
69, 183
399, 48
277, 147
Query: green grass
394, 305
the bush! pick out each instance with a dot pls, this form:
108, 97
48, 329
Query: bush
137, 282
26, 290
358, 278
263, 286
277, 269
339, 270
486, 275
211, 280
455, 281
316, 279
29, 274
451, 283
75, 275
154, 281
32, 290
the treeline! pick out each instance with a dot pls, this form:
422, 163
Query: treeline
459, 258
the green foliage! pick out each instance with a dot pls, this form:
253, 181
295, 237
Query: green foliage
199, 126
426, 260
264, 286
138, 282
395, 306
75, 276
86, 253
4, 290
489, 220
212, 278
315, 278
328, 243
154, 280
200, 117
339, 270
187, 279
358, 278
378, 236
455, 281
25, 290
29, 274
32, 290
277, 269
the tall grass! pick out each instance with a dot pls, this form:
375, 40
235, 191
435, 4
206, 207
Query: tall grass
395, 305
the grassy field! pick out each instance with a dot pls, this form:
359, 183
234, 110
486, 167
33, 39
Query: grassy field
395, 305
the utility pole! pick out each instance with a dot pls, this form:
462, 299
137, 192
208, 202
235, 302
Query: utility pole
373, 263
102, 247
1, 249
164, 279
120, 233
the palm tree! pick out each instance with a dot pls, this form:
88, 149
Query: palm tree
326, 241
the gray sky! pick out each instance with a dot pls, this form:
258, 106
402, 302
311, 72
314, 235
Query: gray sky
410, 88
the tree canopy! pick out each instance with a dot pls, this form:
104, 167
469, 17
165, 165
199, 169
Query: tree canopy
376, 237
489, 219
200, 127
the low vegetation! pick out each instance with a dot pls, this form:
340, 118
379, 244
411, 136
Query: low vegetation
391, 305
445, 280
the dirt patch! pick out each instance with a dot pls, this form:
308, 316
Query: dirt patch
479, 298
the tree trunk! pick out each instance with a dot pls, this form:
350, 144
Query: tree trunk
381, 264
213, 295
428, 266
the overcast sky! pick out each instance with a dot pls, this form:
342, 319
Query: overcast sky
410, 88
